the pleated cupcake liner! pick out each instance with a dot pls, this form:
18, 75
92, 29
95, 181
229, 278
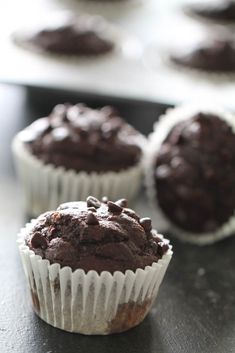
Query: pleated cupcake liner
90, 303
45, 186
161, 129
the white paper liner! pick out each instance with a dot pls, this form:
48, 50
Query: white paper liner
90, 303
161, 129
45, 187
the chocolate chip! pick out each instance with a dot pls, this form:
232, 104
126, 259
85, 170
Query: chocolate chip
61, 110
121, 203
105, 199
146, 223
111, 128
162, 248
130, 213
38, 241
163, 172
92, 209
109, 111
93, 202
91, 219
114, 208
60, 133
83, 133
73, 113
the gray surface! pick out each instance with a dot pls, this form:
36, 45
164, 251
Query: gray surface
195, 308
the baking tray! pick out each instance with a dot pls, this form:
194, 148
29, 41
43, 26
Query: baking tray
140, 74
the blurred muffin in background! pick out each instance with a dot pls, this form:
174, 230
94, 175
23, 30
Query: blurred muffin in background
68, 35
217, 11
77, 151
190, 172
211, 55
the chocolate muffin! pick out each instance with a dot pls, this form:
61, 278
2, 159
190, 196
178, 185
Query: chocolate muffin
98, 236
211, 56
84, 139
193, 173
218, 11
82, 36
93, 267
74, 152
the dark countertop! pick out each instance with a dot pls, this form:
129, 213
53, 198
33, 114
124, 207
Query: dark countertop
195, 309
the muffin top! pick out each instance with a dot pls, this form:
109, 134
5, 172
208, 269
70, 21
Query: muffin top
210, 55
84, 139
195, 173
82, 36
94, 235
222, 10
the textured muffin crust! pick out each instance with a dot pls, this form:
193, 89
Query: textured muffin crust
84, 139
195, 173
94, 235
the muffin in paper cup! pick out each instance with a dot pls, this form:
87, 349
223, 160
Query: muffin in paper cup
162, 57
215, 14
211, 58
163, 131
81, 39
202, 55
89, 302
48, 182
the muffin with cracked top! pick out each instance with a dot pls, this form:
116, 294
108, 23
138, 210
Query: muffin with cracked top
76, 151
95, 267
